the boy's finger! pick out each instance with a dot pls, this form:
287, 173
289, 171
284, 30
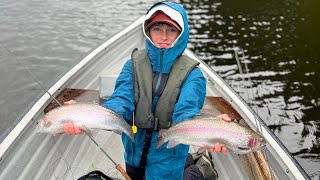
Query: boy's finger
225, 117
217, 147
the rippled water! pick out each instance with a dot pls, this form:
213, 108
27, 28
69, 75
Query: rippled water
278, 73
49, 37
276, 42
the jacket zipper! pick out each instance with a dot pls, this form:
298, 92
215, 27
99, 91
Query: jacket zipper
160, 76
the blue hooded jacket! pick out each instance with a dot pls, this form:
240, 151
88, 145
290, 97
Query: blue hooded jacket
162, 163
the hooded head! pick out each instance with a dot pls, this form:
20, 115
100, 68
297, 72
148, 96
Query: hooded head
176, 16
161, 17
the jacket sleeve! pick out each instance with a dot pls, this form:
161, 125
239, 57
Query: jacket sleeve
122, 99
191, 98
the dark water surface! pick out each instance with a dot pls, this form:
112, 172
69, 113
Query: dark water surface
276, 41
278, 48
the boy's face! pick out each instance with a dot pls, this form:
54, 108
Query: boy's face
163, 35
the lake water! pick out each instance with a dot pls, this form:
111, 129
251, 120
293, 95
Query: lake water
276, 41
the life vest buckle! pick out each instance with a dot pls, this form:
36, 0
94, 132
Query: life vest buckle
154, 122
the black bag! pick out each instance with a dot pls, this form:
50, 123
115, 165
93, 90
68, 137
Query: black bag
206, 166
95, 175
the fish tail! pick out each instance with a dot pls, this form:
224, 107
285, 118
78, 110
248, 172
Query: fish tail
131, 136
159, 138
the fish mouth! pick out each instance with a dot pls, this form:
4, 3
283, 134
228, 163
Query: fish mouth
43, 122
243, 148
39, 128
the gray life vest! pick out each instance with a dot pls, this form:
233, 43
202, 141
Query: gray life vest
143, 86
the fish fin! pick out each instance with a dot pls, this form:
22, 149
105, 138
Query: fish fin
159, 138
159, 144
236, 120
131, 136
160, 134
95, 102
172, 144
87, 130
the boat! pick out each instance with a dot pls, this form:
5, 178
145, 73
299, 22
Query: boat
25, 154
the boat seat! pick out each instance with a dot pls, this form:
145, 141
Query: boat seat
107, 84
213, 105
217, 105
79, 95
106, 89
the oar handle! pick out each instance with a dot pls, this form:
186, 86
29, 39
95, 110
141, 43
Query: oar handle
123, 172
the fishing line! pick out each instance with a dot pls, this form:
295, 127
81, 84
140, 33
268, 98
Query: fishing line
114, 174
33, 76
69, 168
258, 125
236, 52
117, 166
25, 68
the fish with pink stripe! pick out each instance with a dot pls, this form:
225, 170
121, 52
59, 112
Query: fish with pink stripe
204, 131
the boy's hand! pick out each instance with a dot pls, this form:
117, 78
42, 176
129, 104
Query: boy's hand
68, 127
217, 146
71, 129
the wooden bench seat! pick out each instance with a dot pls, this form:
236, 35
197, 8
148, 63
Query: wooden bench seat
212, 105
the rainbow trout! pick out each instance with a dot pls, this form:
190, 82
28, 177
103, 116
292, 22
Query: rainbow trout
86, 117
204, 131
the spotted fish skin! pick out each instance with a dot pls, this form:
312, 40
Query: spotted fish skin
204, 131
86, 117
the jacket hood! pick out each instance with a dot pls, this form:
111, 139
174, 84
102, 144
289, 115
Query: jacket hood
163, 59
